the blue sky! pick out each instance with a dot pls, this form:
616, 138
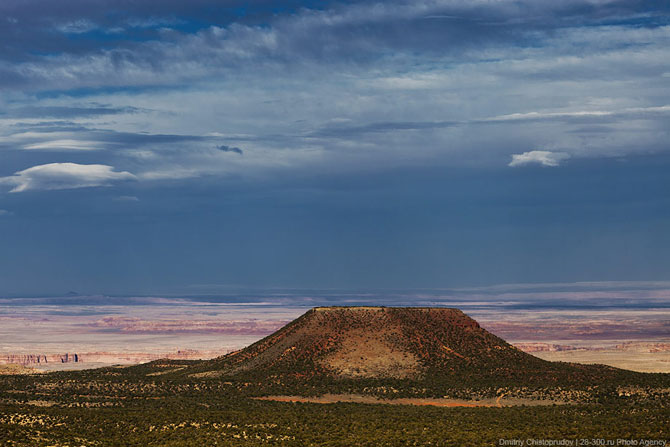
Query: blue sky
151, 147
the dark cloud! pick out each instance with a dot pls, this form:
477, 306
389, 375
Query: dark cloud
68, 137
137, 138
125, 138
345, 130
50, 126
225, 148
66, 112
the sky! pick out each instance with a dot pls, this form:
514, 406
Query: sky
193, 147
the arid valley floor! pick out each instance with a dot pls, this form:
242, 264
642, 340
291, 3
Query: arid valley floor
344, 377
626, 327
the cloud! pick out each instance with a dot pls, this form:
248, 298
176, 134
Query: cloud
76, 27
64, 176
362, 33
171, 173
543, 158
343, 130
126, 199
64, 145
630, 112
225, 148
334, 88
62, 112
69, 137
5, 213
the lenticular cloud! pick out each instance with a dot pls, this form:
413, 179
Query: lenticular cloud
64, 176
542, 158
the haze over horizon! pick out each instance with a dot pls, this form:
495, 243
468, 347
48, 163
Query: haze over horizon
165, 147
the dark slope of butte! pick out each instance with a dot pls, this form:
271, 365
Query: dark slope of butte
431, 347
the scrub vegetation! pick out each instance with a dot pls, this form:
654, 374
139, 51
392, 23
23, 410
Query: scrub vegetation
184, 403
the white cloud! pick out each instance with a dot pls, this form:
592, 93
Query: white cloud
5, 213
543, 158
64, 176
65, 145
170, 173
632, 111
127, 199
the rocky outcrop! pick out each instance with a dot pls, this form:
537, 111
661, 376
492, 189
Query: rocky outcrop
38, 359
544, 347
127, 358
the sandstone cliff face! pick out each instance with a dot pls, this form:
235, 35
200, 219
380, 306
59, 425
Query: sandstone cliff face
127, 358
38, 359
544, 347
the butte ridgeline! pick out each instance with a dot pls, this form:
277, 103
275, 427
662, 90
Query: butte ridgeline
403, 352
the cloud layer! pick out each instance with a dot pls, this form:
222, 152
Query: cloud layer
157, 90
338, 142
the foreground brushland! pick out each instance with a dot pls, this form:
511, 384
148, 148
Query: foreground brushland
332, 374
140, 406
